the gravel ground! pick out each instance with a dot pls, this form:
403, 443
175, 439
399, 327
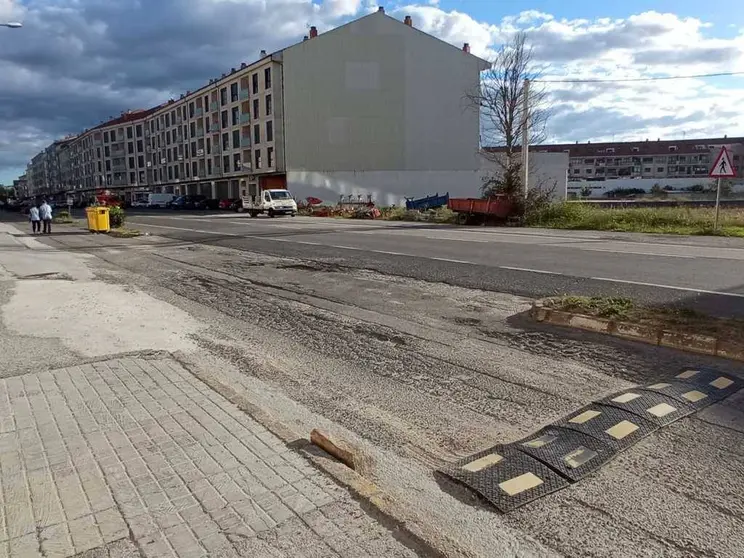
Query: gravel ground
418, 372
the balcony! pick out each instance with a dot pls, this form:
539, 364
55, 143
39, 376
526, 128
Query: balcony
200, 153
245, 141
214, 128
214, 106
198, 112
245, 118
244, 94
199, 133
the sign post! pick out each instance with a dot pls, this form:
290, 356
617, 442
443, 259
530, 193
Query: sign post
722, 168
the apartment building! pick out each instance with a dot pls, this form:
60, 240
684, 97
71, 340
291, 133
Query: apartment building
374, 107
656, 160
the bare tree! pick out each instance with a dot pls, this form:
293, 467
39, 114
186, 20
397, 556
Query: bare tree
500, 99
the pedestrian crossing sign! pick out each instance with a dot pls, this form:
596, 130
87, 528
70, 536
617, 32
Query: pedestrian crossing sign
723, 168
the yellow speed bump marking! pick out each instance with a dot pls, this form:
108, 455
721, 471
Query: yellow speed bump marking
687, 374
721, 383
661, 410
519, 484
659, 386
485, 461
694, 396
626, 397
586, 416
541, 441
622, 429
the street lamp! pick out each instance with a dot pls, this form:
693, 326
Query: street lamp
12, 24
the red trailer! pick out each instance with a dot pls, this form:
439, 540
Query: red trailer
472, 209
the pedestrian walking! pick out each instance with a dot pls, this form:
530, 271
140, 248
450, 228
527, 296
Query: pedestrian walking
45, 212
33, 216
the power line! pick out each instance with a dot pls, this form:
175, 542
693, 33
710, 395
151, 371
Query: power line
628, 80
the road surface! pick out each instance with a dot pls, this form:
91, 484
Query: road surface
703, 273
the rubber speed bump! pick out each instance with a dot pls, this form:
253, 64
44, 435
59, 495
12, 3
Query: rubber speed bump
505, 477
568, 452
650, 405
697, 397
614, 427
715, 383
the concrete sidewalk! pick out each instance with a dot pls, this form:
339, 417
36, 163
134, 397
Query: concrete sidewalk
132, 455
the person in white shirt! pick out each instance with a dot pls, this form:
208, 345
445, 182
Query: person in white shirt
45, 212
33, 216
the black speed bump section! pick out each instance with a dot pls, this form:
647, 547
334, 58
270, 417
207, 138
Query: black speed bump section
505, 477
617, 428
650, 405
714, 382
570, 453
697, 397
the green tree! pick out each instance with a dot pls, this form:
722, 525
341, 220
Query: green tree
585, 191
658, 192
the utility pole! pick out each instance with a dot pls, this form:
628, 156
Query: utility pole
718, 204
526, 136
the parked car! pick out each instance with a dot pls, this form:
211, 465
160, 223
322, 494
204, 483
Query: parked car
174, 203
228, 203
208, 203
160, 200
188, 202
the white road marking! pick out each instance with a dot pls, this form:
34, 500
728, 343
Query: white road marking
672, 287
650, 254
184, 229
544, 272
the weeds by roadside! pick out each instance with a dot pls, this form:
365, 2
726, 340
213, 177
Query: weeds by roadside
663, 220
64, 218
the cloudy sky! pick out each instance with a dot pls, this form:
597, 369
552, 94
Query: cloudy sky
77, 62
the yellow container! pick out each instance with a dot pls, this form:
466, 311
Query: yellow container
98, 219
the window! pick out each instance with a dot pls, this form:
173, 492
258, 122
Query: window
577, 171
131, 162
255, 108
226, 163
209, 166
257, 158
225, 141
209, 146
647, 169
223, 96
193, 149
234, 92
169, 156
648, 159
268, 105
129, 132
106, 151
659, 169
236, 139
270, 130
168, 137
167, 120
99, 166
237, 167
206, 124
130, 147
270, 157
192, 129
108, 166
140, 161
635, 149
139, 130
98, 152
256, 134
254, 83
188, 170
194, 169
191, 109
267, 78
235, 116
170, 173
672, 148
223, 116
140, 146
175, 172
105, 137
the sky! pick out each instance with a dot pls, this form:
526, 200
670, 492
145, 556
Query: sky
78, 62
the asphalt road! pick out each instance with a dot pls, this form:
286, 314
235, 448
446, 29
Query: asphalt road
706, 274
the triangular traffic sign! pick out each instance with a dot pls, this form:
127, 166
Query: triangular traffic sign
723, 168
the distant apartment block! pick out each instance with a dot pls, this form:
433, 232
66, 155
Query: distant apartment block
372, 107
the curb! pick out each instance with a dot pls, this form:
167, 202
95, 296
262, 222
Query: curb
420, 537
653, 335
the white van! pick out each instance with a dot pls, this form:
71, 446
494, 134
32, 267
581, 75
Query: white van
160, 200
271, 202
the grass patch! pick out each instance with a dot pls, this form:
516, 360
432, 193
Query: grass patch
677, 318
439, 215
658, 220
123, 232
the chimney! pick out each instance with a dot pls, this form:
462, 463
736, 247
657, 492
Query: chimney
408, 21
243, 65
466, 48
305, 38
313, 32
381, 10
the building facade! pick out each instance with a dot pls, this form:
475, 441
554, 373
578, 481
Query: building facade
374, 107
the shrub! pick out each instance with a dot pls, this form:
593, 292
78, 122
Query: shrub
116, 217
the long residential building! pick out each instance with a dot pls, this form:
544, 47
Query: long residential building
374, 107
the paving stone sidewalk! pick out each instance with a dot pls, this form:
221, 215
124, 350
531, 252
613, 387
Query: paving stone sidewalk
136, 457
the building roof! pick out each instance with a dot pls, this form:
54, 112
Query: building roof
631, 148
128, 116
